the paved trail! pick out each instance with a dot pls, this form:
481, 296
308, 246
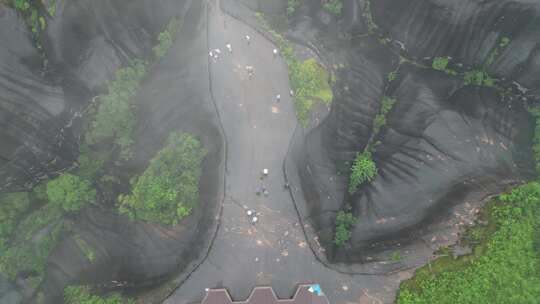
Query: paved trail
258, 130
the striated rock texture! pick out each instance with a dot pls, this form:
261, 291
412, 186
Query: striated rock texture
32, 111
444, 141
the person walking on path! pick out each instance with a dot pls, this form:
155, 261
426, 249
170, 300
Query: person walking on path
278, 97
229, 47
275, 52
248, 39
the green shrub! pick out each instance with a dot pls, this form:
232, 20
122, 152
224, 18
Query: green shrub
505, 269
391, 76
115, 117
310, 85
535, 111
333, 6
478, 78
380, 118
292, 5
166, 38
363, 170
70, 192
82, 295
440, 63
27, 255
309, 80
169, 188
12, 208
344, 223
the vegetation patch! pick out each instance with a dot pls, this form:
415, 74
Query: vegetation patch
333, 6
309, 80
441, 64
292, 5
502, 269
25, 254
169, 188
86, 249
70, 192
495, 52
363, 170
478, 78
114, 120
166, 38
344, 223
535, 111
82, 295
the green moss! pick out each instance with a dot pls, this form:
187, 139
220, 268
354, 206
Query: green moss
396, 256
503, 269
535, 111
368, 17
391, 76
51, 8
440, 63
344, 223
86, 249
166, 38
478, 78
169, 188
333, 6
292, 5
82, 295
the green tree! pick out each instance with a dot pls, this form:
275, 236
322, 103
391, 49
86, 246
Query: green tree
363, 170
70, 192
169, 188
115, 117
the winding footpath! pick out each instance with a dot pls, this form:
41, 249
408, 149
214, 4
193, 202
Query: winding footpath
273, 252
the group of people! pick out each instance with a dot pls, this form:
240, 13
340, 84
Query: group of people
215, 53
252, 215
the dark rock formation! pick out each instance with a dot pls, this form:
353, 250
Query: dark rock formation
84, 44
443, 140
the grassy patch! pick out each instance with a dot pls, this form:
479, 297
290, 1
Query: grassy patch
441, 64
82, 295
344, 223
503, 269
333, 6
169, 188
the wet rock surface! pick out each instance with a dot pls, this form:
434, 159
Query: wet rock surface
85, 43
442, 141
444, 145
